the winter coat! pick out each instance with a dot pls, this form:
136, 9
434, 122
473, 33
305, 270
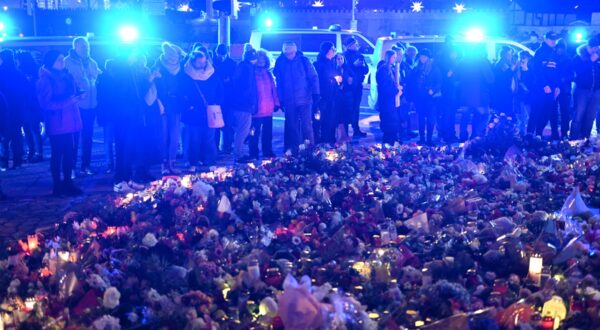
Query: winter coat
13, 84
297, 80
212, 94
3, 116
267, 93
170, 88
545, 65
244, 88
386, 89
224, 71
475, 78
107, 87
345, 92
56, 91
85, 72
524, 83
424, 78
132, 87
503, 84
587, 73
326, 72
360, 71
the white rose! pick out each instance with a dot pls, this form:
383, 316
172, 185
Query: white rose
107, 322
149, 240
111, 298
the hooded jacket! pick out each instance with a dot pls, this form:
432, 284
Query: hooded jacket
587, 73
85, 72
297, 80
56, 91
545, 65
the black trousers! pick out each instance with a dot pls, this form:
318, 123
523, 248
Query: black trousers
62, 153
263, 130
564, 105
426, 112
355, 110
88, 117
545, 110
33, 136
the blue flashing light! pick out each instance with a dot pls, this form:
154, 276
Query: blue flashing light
2, 26
268, 22
474, 35
579, 36
128, 33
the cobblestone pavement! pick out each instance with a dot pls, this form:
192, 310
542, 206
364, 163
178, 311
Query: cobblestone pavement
30, 205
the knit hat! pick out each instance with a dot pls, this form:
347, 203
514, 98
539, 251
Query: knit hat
249, 55
51, 57
171, 52
551, 35
222, 49
350, 41
325, 47
247, 47
425, 52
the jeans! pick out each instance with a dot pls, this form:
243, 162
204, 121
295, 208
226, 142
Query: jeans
201, 145
426, 112
33, 135
243, 125
88, 117
170, 136
224, 136
564, 105
13, 141
109, 141
62, 153
481, 116
586, 107
522, 115
263, 130
355, 110
328, 122
298, 126
389, 123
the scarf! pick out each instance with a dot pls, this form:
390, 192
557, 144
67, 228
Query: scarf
202, 74
172, 68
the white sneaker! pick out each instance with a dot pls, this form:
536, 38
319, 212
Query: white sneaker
135, 185
73, 176
123, 187
192, 169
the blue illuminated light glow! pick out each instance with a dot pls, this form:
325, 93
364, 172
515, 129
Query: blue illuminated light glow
128, 33
474, 35
579, 36
2, 26
268, 23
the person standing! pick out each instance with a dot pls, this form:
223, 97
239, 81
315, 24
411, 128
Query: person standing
546, 87
475, 78
524, 78
245, 103
13, 86
224, 69
169, 87
32, 116
85, 72
203, 89
3, 128
107, 87
298, 89
59, 96
586, 66
424, 88
410, 57
566, 79
449, 100
268, 102
505, 84
387, 91
329, 81
344, 97
356, 62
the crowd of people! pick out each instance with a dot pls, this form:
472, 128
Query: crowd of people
202, 103
534, 88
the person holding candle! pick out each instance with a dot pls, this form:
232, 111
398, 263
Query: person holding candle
329, 82
386, 100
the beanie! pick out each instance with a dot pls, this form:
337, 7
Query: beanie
425, 52
51, 57
325, 47
249, 55
222, 49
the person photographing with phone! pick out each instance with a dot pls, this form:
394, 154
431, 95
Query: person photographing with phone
59, 98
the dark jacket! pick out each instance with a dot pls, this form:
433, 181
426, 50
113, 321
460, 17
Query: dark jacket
132, 86
212, 93
545, 65
56, 91
475, 78
360, 71
169, 89
224, 71
297, 80
424, 78
3, 116
587, 73
14, 86
386, 89
244, 88
503, 84
328, 86
524, 83
107, 87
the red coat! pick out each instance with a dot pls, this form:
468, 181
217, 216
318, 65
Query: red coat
267, 94
56, 91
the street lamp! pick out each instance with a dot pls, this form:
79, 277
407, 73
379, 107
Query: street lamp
353, 22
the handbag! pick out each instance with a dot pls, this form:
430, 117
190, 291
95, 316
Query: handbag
214, 115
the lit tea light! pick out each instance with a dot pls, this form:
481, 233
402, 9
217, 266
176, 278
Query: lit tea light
419, 323
110, 230
331, 155
253, 270
32, 242
29, 304
385, 237
63, 256
373, 316
186, 182
536, 263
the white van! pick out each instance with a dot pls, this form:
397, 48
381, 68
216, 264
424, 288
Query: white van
434, 44
308, 40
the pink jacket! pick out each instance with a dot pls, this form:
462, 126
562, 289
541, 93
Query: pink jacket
267, 93
55, 91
